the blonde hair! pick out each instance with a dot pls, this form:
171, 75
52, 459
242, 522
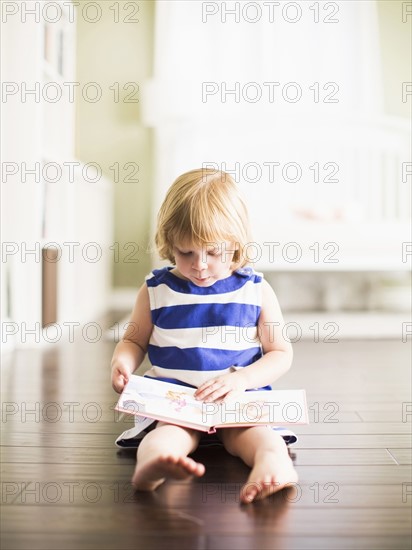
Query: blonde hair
203, 206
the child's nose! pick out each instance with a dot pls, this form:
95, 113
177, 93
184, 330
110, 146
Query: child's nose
199, 262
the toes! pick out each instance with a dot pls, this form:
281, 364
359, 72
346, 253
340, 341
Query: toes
195, 468
258, 490
200, 470
250, 491
186, 464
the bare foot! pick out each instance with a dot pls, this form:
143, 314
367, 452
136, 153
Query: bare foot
150, 475
270, 474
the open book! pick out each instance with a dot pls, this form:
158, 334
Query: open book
175, 404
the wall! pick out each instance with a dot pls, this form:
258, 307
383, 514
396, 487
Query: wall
110, 131
395, 47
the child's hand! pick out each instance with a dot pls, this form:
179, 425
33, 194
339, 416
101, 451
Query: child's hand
220, 388
120, 377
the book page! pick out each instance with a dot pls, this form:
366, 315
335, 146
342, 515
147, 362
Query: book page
161, 400
277, 407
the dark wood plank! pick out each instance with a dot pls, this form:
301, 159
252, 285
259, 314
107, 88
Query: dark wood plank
353, 441
341, 456
93, 455
377, 415
402, 456
306, 441
344, 542
227, 469
352, 428
151, 514
185, 495
115, 428
80, 427
30, 439
92, 541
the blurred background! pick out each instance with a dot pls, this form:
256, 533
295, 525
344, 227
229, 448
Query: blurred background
306, 104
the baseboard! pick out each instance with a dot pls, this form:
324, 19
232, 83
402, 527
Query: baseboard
329, 326
8, 341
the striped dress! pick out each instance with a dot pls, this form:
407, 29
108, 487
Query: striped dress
200, 333
203, 332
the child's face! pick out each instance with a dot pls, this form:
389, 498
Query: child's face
204, 265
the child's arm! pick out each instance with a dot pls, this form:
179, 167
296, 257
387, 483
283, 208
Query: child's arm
276, 360
131, 350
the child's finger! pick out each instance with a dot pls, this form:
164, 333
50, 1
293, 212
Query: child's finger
204, 386
119, 382
211, 388
216, 394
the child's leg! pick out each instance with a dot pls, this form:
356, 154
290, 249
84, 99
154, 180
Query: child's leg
163, 453
266, 453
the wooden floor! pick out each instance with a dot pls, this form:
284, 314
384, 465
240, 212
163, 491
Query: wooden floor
66, 486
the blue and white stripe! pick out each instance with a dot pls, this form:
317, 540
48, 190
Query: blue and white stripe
203, 332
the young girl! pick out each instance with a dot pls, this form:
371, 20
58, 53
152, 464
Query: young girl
211, 323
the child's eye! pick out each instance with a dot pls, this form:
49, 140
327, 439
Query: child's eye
184, 253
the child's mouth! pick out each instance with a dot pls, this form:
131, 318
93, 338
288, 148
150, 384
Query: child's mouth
201, 280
